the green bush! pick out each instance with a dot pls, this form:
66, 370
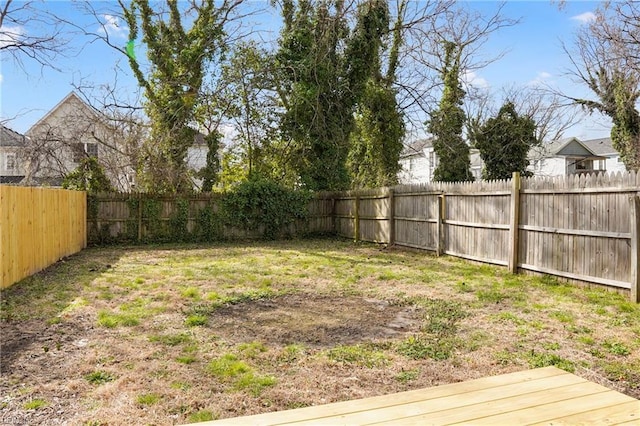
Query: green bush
265, 206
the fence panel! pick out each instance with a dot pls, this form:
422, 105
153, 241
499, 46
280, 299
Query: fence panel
345, 215
416, 217
374, 206
139, 217
476, 221
38, 226
578, 227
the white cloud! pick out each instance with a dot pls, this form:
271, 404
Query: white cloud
584, 18
1, 78
542, 78
112, 28
10, 34
470, 78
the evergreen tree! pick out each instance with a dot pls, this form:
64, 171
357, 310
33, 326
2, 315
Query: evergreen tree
376, 141
504, 142
447, 122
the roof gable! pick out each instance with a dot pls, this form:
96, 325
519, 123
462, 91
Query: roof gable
574, 148
73, 101
416, 147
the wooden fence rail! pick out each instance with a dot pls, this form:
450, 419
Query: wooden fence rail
38, 226
583, 228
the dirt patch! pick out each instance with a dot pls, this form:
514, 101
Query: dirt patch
314, 321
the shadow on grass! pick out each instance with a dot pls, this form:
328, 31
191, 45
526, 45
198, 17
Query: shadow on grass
33, 305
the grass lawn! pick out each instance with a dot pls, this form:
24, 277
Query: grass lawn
178, 334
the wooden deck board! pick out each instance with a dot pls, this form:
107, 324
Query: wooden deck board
618, 414
545, 396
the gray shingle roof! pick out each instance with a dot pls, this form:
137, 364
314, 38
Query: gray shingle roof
416, 147
10, 138
602, 146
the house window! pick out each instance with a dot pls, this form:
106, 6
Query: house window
584, 165
412, 164
10, 163
91, 149
83, 150
433, 160
78, 152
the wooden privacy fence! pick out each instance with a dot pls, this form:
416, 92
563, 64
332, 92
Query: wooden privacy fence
584, 228
137, 217
38, 226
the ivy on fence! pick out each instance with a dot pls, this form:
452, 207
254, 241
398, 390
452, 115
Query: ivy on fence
257, 208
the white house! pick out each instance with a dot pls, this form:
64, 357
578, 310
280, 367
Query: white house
563, 157
70, 131
73, 130
572, 156
419, 161
11, 152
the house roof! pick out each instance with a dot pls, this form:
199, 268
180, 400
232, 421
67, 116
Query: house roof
601, 146
71, 97
574, 147
416, 147
9, 137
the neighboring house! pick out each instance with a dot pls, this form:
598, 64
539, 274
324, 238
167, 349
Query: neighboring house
197, 158
71, 131
571, 156
568, 156
12, 146
74, 130
419, 161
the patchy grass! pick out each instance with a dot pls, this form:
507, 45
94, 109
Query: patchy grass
358, 355
148, 398
99, 377
186, 333
35, 404
242, 377
201, 416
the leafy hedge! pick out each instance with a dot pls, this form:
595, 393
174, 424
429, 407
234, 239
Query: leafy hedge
263, 205
259, 206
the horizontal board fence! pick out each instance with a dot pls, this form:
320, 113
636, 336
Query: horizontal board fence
583, 228
138, 217
38, 227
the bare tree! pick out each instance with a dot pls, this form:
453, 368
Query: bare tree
468, 30
87, 126
604, 59
22, 37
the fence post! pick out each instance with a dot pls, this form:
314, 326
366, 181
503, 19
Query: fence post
635, 252
513, 226
440, 225
392, 217
139, 216
356, 218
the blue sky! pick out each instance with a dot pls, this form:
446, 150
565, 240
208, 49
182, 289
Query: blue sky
533, 48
